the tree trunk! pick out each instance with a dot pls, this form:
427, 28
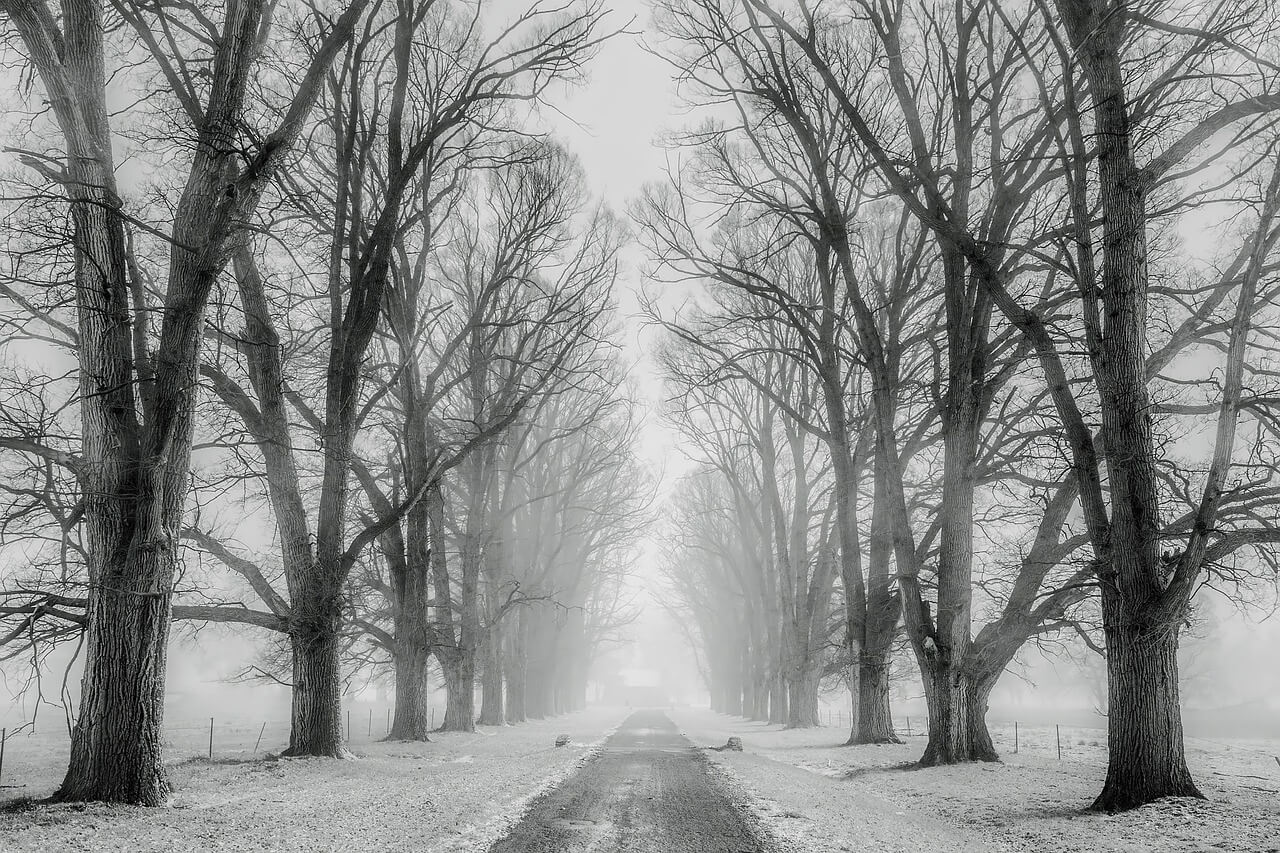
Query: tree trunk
412, 718
459, 684
802, 701
493, 711
957, 719
735, 689
515, 667
778, 713
317, 692
1145, 756
874, 719
516, 710
116, 744
760, 709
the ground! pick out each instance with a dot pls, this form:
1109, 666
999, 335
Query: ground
654, 786
458, 793
649, 791
815, 795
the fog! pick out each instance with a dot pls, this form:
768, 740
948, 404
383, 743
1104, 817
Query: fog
445, 384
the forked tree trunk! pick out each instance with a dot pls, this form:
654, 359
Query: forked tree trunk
1146, 759
317, 691
957, 719
116, 744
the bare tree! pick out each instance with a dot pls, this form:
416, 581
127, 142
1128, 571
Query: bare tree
1129, 66
393, 163
136, 403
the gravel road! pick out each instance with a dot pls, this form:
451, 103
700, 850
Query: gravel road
647, 792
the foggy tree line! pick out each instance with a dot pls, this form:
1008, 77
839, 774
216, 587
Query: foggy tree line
977, 321
307, 329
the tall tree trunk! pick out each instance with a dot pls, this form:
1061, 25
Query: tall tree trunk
1147, 760
516, 668
459, 684
957, 719
492, 707
778, 713
956, 733
116, 743
760, 691
802, 698
316, 715
1145, 754
412, 714
748, 684
874, 718
735, 683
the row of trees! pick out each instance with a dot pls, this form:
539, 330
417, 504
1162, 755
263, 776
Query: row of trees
951, 338
308, 329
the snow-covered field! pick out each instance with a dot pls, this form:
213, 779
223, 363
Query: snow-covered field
814, 795
461, 792
458, 793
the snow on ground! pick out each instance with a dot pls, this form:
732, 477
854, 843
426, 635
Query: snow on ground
456, 794
814, 795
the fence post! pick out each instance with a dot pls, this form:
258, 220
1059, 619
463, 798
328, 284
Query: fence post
1015, 737
348, 725
370, 723
211, 738
388, 721
4, 736
1058, 731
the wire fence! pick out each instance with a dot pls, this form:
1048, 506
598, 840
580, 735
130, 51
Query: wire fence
29, 751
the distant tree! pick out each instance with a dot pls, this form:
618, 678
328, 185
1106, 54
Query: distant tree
390, 166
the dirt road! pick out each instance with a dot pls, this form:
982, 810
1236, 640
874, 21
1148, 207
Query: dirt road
647, 792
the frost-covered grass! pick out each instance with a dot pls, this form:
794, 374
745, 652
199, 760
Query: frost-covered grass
819, 796
457, 793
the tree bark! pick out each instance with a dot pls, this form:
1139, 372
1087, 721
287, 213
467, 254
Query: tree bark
317, 677
957, 719
492, 708
1146, 758
459, 683
116, 744
874, 718
516, 669
802, 699
778, 710
411, 718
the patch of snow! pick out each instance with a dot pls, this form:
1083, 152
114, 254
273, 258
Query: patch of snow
864, 797
399, 796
